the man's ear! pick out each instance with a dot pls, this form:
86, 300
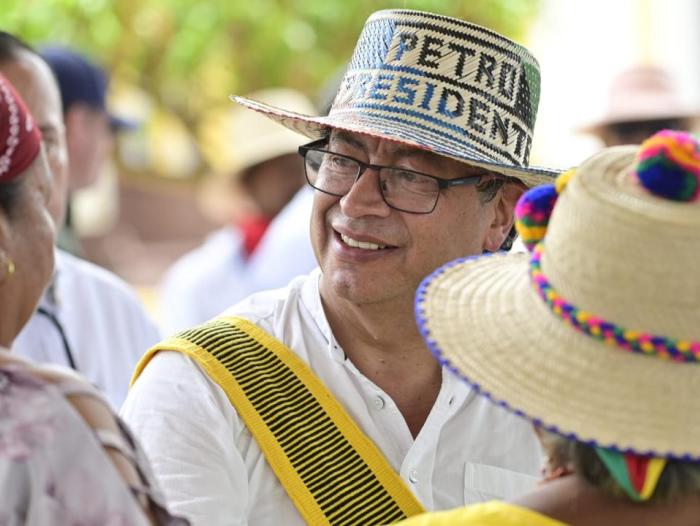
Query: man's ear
504, 215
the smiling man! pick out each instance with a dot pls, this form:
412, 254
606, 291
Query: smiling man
319, 403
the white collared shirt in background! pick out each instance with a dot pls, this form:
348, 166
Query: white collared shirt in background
106, 327
213, 472
212, 277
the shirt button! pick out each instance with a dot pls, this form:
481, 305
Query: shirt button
379, 402
413, 476
451, 401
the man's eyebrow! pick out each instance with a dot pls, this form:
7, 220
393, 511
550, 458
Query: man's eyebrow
348, 138
395, 148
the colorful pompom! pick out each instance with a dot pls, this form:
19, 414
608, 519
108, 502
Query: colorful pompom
668, 165
532, 213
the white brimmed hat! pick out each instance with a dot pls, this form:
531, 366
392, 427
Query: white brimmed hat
439, 84
596, 334
642, 93
235, 139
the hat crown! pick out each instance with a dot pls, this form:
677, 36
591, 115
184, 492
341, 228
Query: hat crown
639, 269
236, 139
79, 79
442, 83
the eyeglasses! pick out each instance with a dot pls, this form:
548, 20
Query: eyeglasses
405, 190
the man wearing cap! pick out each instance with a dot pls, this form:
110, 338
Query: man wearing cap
319, 403
88, 318
90, 127
642, 100
252, 182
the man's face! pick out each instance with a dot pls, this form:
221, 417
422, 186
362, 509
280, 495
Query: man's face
272, 183
416, 244
34, 81
90, 142
636, 132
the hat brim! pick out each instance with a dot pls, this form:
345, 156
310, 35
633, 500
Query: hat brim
598, 127
483, 319
315, 127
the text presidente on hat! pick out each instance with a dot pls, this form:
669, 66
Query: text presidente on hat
439, 84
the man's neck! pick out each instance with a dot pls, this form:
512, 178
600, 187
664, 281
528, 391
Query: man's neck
383, 343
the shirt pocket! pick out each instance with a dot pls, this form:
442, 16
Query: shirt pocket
483, 483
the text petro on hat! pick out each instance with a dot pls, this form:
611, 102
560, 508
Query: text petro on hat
439, 84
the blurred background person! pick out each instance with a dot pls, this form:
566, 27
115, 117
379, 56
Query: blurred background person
64, 456
257, 171
88, 319
89, 126
642, 101
602, 343
287, 238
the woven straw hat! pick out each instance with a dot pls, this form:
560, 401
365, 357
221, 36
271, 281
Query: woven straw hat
235, 140
601, 361
642, 93
439, 84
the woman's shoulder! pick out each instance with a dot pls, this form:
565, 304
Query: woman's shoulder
492, 513
58, 432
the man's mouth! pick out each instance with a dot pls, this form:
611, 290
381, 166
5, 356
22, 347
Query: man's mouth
365, 245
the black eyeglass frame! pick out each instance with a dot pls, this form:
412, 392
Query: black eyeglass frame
443, 184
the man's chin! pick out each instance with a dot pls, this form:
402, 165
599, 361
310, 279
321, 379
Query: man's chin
361, 290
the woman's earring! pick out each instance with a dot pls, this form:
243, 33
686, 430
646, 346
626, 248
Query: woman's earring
10, 269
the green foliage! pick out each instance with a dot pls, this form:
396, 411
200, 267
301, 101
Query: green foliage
190, 55
187, 53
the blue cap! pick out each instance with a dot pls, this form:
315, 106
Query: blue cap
81, 81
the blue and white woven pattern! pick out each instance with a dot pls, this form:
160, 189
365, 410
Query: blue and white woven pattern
436, 83
443, 80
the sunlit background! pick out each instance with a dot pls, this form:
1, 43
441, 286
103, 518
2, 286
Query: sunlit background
173, 64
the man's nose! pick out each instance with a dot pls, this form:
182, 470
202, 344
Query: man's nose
365, 197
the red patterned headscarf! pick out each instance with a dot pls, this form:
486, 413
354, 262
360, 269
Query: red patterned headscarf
20, 138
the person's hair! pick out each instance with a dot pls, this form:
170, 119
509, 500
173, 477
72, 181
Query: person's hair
487, 192
633, 129
10, 46
8, 195
678, 479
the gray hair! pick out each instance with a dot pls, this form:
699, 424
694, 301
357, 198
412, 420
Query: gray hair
487, 192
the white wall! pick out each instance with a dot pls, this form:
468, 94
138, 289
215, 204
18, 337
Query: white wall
581, 45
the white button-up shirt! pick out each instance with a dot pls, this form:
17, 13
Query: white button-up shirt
106, 327
214, 473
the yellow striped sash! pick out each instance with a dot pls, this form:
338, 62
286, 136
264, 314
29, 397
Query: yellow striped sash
332, 472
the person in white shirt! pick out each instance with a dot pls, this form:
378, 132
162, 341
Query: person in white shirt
420, 161
88, 318
252, 183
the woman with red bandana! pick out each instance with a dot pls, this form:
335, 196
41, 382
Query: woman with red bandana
64, 457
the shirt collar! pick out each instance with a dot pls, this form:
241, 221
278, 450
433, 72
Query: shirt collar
311, 300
